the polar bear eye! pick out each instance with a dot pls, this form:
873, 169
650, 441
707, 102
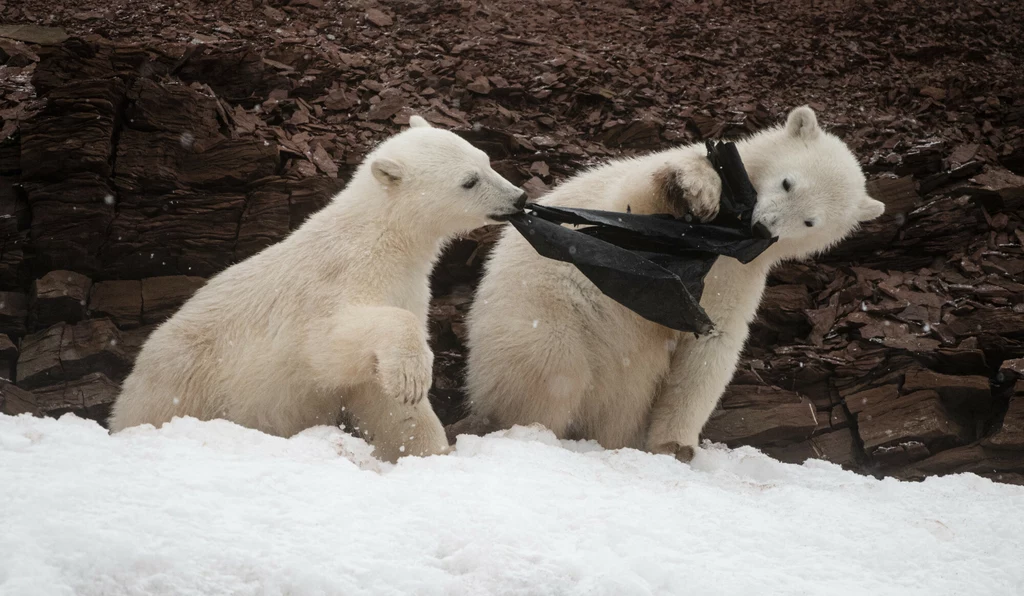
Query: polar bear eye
786, 185
471, 182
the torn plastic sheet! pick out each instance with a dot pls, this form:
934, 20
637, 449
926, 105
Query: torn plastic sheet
654, 265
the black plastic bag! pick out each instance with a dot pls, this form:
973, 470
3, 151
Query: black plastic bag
654, 265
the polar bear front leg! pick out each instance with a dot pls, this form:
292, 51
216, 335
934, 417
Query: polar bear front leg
367, 343
700, 371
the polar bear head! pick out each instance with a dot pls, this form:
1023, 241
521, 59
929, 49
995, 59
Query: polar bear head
811, 191
441, 181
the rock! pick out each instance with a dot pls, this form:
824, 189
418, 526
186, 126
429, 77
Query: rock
763, 425
132, 340
120, 300
1010, 434
161, 296
67, 189
1002, 466
378, 18
47, 36
59, 296
782, 314
748, 396
838, 447
13, 313
8, 356
876, 397
65, 352
39, 361
480, 85
970, 391
75, 395
14, 401
908, 428
638, 134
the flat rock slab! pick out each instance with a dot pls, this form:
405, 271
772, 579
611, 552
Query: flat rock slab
47, 36
14, 400
59, 296
65, 352
161, 296
89, 391
121, 300
908, 428
762, 425
1010, 434
969, 391
13, 313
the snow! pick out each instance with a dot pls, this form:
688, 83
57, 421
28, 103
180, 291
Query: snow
214, 508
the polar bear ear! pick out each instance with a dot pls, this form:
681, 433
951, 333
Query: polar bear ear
418, 122
803, 124
386, 171
869, 209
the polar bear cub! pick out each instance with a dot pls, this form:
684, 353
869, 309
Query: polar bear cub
545, 346
332, 321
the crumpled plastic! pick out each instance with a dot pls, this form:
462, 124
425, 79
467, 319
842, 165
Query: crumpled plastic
654, 265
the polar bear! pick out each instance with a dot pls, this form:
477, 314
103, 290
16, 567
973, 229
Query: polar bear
330, 323
545, 346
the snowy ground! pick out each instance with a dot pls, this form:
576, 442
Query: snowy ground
213, 508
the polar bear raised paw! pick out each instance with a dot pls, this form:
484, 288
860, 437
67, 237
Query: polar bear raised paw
690, 186
406, 375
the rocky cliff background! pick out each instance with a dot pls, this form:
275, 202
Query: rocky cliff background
146, 146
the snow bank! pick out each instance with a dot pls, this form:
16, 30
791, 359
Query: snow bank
213, 508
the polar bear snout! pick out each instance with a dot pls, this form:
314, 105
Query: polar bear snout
516, 207
761, 231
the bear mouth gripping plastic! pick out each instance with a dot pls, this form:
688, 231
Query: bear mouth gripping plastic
654, 265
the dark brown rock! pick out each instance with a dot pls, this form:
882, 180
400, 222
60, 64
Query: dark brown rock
13, 313
14, 401
1010, 434
762, 425
39, 361
1002, 466
65, 352
748, 396
161, 296
132, 340
378, 17
120, 300
872, 398
8, 356
59, 296
970, 391
89, 391
908, 427
839, 447
782, 313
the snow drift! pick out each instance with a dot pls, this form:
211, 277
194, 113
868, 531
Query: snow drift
214, 508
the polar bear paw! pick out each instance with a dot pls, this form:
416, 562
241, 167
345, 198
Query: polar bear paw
691, 187
406, 376
683, 453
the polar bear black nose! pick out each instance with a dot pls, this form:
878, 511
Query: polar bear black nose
521, 201
761, 231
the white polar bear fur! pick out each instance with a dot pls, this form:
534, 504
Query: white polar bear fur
545, 346
333, 319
